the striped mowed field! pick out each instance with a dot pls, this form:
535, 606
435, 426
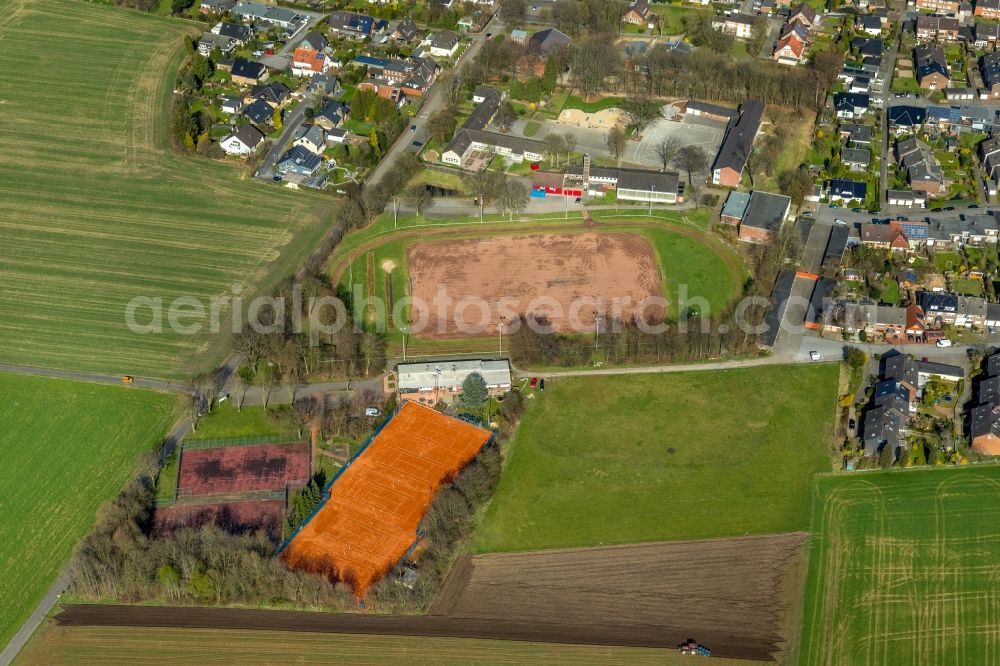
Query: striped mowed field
903, 569
95, 208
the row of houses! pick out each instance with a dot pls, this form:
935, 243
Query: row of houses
894, 401
984, 417
398, 78
793, 37
939, 234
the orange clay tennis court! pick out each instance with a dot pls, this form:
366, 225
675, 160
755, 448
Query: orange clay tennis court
370, 520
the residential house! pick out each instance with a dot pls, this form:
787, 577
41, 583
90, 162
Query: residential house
937, 28
856, 159
857, 134
637, 13
867, 46
445, 44
956, 232
216, 6
989, 67
482, 93
324, 85
396, 79
906, 198
840, 190
739, 26
870, 25
299, 161
310, 137
988, 9
851, 105
243, 141
333, 114
314, 41
248, 73
946, 7
241, 34
924, 171
987, 35
931, 67
259, 112
406, 31
352, 25
282, 17
764, 215
953, 309
790, 49
804, 14
895, 235
275, 94
730, 161
885, 423
210, 41
905, 119
309, 62
231, 104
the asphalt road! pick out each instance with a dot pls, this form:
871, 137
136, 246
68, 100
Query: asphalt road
888, 66
289, 123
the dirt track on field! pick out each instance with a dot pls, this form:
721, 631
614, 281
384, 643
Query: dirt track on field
547, 274
723, 592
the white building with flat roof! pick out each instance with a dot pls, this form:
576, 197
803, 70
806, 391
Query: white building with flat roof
433, 381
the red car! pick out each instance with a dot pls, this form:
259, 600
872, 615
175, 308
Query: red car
534, 382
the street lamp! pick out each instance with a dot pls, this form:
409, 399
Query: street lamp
650, 200
394, 210
500, 328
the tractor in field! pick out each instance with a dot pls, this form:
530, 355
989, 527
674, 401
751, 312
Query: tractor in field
691, 646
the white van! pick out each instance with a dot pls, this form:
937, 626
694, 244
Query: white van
944, 343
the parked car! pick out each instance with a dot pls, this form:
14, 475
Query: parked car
852, 424
974, 206
417, 144
815, 356
373, 411
834, 206
945, 343
541, 384
808, 213
839, 221
534, 382
413, 128
856, 210
577, 200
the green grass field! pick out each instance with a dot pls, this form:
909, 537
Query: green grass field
65, 448
574, 102
903, 569
101, 645
623, 459
98, 210
227, 422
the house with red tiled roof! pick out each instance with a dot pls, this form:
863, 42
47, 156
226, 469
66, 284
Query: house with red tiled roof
309, 62
789, 50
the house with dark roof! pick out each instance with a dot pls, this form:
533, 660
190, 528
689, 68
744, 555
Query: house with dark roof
548, 41
444, 44
333, 114
984, 417
243, 141
857, 134
989, 67
731, 160
856, 159
765, 213
841, 190
885, 422
905, 119
931, 67
216, 6
954, 309
405, 31
804, 14
241, 34
248, 73
314, 41
988, 9
648, 186
274, 94
259, 112
734, 208
352, 24
866, 46
210, 41
637, 13
324, 84
299, 161
851, 105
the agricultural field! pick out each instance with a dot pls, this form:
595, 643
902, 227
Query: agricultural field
727, 592
98, 210
155, 645
65, 449
627, 459
374, 263
902, 569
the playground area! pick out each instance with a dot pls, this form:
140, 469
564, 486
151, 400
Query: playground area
369, 520
604, 119
569, 278
236, 469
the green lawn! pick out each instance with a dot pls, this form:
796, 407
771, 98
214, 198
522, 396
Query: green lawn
226, 422
574, 102
97, 210
622, 459
65, 448
967, 287
902, 569
531, 128
947, 261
